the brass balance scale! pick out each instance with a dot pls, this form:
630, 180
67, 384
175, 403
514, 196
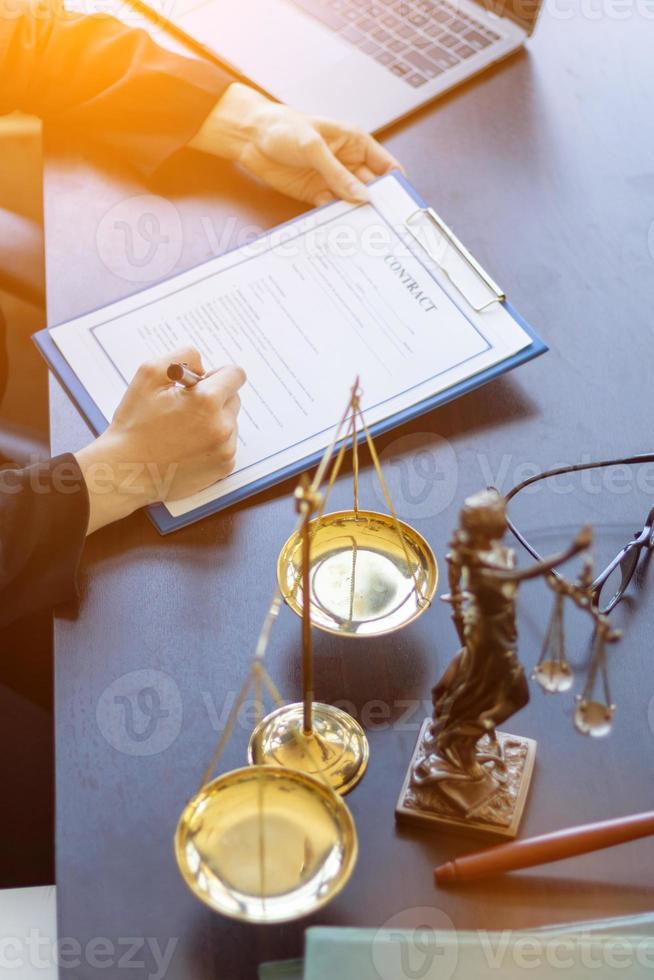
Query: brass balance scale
274, 841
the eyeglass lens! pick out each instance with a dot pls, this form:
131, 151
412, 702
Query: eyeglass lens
614, 586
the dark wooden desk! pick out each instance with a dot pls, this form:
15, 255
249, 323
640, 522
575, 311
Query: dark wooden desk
545, 167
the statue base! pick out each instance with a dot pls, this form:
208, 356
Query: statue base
492, 808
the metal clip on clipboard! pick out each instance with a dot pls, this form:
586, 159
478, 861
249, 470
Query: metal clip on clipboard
496, 294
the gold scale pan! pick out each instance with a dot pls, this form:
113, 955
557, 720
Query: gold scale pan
274, 841
265, 844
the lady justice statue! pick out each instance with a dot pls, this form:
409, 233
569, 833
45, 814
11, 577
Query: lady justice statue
465, 773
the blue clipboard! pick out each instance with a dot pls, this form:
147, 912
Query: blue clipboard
159, 514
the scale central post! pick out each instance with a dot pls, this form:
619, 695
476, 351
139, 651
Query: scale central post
307, 503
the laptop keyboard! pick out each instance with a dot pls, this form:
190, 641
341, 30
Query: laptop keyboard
416, 40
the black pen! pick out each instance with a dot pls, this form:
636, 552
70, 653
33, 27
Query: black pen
182, 374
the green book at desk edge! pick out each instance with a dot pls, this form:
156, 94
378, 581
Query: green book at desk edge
371, 954
324, 944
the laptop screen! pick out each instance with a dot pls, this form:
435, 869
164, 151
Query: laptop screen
523, 12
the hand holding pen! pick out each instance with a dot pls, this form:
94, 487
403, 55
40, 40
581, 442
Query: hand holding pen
163, 443
181, 374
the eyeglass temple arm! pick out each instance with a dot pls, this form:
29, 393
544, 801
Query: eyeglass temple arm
523, 541
560, 470
516, 533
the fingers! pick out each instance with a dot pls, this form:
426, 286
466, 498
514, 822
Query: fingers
338, 178
325, 197
378, 158
227, 451
365, 174
222, 385
375, 156
225, 434
233, 406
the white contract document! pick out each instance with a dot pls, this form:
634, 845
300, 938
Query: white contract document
343, 291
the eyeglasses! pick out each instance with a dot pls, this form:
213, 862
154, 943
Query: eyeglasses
609, 586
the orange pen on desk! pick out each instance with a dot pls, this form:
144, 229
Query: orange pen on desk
541, 850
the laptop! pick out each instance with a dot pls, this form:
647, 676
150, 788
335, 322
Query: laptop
367, 62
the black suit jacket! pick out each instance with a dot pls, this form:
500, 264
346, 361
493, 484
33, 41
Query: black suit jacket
109, 81
122, 90
43, 520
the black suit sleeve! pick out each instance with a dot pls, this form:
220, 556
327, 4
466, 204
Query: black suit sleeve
111, 82
44, 513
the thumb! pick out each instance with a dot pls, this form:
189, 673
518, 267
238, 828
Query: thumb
338, 178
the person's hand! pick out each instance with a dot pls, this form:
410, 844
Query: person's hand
311, 159
165, 442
